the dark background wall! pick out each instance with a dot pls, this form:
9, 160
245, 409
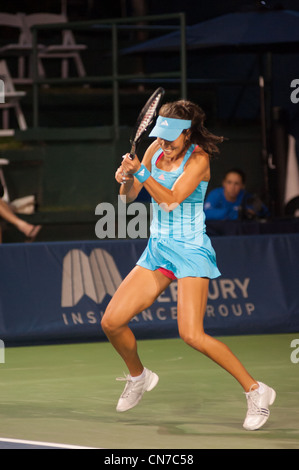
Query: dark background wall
196, 11
76, 174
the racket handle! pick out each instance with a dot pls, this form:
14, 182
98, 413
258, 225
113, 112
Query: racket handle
132, 151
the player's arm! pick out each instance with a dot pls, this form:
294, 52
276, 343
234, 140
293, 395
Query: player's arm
129, 185
196, 170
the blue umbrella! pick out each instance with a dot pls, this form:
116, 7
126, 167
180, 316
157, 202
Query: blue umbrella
265, 28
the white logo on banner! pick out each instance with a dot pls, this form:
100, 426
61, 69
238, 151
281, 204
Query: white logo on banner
97, 275
94, 276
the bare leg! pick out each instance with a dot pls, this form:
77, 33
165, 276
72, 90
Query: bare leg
7, 214
192, 301
137, 292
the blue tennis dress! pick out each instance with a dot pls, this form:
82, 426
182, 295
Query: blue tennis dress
178, 241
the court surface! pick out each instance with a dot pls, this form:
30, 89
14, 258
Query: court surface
65, 395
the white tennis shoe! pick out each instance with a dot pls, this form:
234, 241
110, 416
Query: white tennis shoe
134, 391
258, 402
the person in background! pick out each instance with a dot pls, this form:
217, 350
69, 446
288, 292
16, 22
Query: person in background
231, 201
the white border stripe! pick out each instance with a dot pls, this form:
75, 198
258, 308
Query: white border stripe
44, 444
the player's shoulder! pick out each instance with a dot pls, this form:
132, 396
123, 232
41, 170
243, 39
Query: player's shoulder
198, 155
150, 152
154, 147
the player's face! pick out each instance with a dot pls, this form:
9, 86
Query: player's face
232, 185
173, 149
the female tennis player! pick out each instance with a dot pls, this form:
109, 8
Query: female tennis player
175, 171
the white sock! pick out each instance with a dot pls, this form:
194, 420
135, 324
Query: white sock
261, 388
138, 377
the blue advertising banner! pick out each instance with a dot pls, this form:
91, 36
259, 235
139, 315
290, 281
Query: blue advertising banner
54, 292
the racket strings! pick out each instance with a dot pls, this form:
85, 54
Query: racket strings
147, 117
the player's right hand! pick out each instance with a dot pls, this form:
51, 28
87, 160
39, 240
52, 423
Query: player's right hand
121, 177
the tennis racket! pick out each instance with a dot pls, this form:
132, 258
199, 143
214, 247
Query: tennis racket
145, 119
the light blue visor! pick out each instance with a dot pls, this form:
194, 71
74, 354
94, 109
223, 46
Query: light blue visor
169, 128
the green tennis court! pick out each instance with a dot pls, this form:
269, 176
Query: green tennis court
67, 394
